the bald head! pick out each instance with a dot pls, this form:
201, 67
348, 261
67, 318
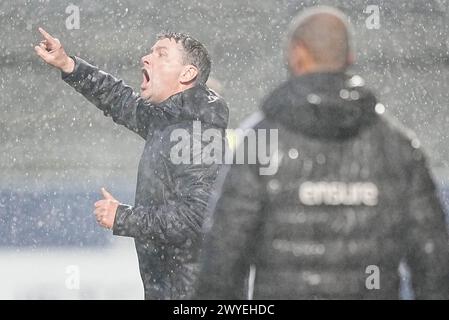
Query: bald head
319, 40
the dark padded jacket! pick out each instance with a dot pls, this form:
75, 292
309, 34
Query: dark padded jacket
352, 196
171, 198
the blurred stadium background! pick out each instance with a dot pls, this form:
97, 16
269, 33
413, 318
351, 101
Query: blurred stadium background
57, 150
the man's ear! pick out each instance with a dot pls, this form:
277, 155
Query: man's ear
297, 57
188, 74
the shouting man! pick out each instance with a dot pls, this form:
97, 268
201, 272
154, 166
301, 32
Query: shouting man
171, 198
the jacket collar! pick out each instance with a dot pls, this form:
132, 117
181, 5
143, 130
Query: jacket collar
197, 103
322, 105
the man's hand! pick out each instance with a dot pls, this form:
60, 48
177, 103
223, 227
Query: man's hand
52, 52
106, 209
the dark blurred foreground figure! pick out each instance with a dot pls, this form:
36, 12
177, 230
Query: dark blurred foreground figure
351, 198
166, 219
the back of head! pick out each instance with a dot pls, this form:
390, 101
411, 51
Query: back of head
325, 33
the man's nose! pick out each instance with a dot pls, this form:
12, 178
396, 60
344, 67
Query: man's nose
145, 60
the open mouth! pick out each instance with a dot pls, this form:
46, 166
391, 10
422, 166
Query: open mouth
146, 78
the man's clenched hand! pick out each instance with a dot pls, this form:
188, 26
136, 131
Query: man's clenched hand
52, 52
106, 209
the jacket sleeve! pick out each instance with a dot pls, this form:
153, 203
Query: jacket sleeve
113, 97
180, 218
427, 236
231, 230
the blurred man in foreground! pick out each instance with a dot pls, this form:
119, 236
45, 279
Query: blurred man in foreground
171, 198
351, 198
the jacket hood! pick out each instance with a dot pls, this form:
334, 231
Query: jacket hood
322, 105
198, 103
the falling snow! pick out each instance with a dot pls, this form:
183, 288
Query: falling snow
57, 150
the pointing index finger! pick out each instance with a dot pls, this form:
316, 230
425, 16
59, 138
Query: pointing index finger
46, 35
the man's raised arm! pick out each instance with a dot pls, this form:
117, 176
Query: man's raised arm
106, 92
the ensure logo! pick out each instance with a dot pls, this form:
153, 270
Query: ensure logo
338, 193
